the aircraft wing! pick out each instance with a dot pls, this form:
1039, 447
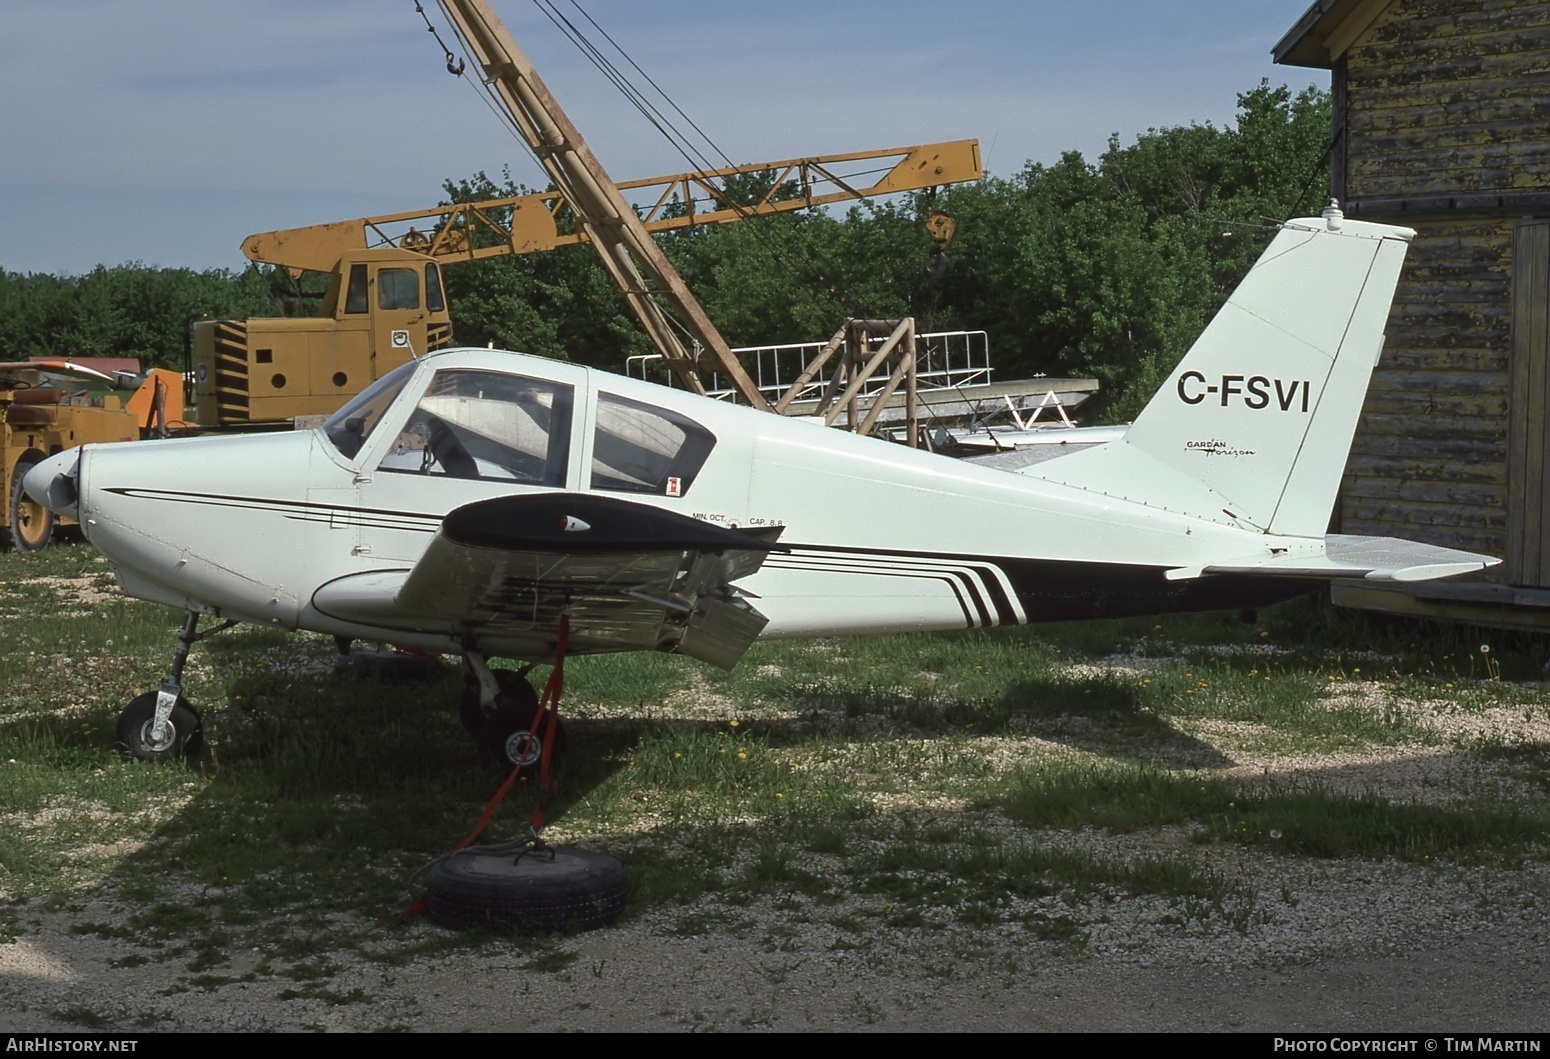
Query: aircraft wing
1370, 558
631, 576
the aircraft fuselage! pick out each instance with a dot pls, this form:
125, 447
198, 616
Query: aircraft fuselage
882, 539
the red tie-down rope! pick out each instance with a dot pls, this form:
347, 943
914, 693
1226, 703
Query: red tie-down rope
548, 719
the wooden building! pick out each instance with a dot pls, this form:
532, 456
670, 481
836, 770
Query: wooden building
1442, 122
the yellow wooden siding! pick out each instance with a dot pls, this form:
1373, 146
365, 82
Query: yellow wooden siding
1449, 97
1429, 458
1445, 97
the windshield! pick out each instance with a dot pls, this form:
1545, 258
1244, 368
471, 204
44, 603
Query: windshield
349, 427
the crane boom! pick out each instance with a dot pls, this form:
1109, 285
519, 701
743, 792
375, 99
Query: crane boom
525, 224
638, 266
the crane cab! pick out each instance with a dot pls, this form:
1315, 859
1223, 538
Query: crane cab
382, 308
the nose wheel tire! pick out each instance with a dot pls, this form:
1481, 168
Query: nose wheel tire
32, 524
184, 734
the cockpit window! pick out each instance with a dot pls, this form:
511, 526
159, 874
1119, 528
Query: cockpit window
487, 425
640, 448
349, 427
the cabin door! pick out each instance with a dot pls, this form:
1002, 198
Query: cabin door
1528, 432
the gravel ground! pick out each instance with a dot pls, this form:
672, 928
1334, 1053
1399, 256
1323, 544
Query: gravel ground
1378, 947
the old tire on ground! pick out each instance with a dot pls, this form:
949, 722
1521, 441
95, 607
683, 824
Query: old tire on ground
576, 890
135, 723
32, 524
513, 686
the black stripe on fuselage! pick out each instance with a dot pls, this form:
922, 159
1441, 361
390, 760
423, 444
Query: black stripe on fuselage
301, 510
957, 582
1067, 590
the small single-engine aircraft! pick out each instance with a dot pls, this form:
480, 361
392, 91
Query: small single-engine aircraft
470, 499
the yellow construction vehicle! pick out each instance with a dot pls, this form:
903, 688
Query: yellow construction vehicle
38, 420
385, 301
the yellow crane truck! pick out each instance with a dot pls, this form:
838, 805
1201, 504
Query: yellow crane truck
385, 302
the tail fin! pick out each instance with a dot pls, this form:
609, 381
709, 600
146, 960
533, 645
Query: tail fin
1253, 427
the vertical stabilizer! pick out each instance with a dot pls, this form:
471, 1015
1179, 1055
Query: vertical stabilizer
1253, 427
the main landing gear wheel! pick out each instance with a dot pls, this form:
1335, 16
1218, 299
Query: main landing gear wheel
509, 737
32, 524
535, 892
184, 734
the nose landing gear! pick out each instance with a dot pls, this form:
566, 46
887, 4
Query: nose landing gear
160, 724
180, 732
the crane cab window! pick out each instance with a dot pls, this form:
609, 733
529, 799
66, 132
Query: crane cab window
398, 288
434, 300
640, 448
487, 425
355, 294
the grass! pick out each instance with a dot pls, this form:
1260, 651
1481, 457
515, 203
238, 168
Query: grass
923, 783
1314, 821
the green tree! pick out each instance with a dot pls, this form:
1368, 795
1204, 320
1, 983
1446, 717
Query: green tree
129, 310
1112, 270
1107, 270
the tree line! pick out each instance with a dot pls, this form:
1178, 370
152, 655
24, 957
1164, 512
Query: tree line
1106, 269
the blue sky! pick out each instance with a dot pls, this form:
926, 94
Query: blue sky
166, 131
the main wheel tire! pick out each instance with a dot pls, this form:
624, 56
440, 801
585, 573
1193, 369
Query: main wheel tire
470, 714
576, 890
32, 524
509, 737
185, 737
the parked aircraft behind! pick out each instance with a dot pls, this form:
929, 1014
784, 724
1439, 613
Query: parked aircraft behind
471, 499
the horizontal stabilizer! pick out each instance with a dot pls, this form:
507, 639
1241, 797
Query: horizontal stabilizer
1372, 558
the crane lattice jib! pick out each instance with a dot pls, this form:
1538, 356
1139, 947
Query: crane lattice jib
527, 224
